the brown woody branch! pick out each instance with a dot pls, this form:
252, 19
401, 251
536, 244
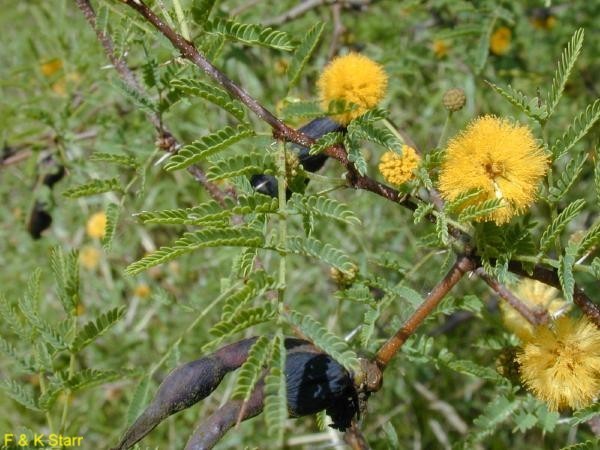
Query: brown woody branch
389, 349
282, 131
535, 318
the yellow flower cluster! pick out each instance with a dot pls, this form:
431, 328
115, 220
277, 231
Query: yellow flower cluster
142, 290
398, 169
440, 48
500, 41
560, 363
535, 295
500, 159
354, 80
96, 225
89, 257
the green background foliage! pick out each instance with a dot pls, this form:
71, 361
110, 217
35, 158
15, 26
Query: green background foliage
102, 343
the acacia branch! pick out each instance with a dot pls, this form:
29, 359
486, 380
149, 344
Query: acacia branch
533, 317
338, 152
389, 349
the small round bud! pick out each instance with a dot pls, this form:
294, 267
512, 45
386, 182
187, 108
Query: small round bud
292, 162
454, 99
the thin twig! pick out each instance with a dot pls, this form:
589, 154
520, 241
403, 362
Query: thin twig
166, 139
387, 351
535, 318
305, 6
338, 30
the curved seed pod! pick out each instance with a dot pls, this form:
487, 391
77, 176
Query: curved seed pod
185, 386
267, 184
39, 220
212, 429
316, 382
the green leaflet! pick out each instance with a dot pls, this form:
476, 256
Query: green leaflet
207, 146
325, 252
212, 211
334, 346
21, 394
565, 65
251, 370
113, 158
580, 126
482, 209
567, 179
94, 187
209, 237
96, 328
242, 166
554, 230
251, 34
212, 93
303, 53
275, 411
324, 207
326, 141
112, 217
531, 107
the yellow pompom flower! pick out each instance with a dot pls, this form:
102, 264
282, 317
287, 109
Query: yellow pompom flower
50, 67
500, 41
561, 364
142, 290
440, 48
535, 295
499, 158
96, 225
397, 169
355, 80
89, 257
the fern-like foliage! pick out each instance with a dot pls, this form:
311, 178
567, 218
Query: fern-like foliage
113, 158
554, 230
337, 348
211, 211
492, 416
479, 210
355, 155
251, 34
242, 166
531, 107
590, 240
66, 274
276, 411
112, 218
322, 206
303, 53
295, 109
327, 253
256, 284
243, 319
207, 146
567, 179
96, 328
565, 65
326, 141
211, 93
461, 200
88, 378
252, 369
565, 271
363, 129
582, 124
19, 393
94, 187
209, 237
